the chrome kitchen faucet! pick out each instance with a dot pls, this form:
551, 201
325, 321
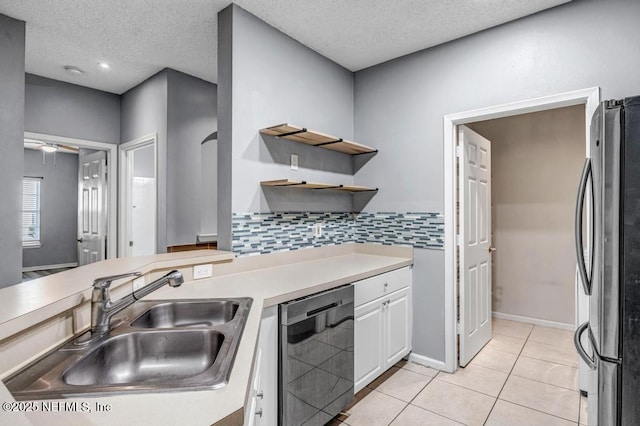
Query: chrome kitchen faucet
102, 308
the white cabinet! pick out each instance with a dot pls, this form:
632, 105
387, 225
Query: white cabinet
382, 324
252, 414
262, 403
398, 324
368, 358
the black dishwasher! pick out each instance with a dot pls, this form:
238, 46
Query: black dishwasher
315, 357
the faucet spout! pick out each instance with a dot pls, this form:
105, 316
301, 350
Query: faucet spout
173, 278
102, 308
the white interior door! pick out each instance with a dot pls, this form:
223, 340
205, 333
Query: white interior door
475, 242
143, 215
138, 197
92, 208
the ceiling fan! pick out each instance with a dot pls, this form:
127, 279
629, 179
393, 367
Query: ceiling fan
49, 146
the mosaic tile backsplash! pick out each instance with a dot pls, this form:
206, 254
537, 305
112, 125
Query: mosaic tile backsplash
420, 230
261, 233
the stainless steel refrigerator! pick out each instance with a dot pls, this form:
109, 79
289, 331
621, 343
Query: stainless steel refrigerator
610, 270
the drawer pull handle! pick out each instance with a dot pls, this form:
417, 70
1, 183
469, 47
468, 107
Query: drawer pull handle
386, 285
259, 412
260, 395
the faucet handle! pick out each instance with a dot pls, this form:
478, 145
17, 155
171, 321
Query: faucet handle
105, 282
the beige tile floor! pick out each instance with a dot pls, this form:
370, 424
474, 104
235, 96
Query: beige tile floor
526, 375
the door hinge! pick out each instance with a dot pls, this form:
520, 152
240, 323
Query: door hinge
458, 151
613, 103
458, 239
457, 328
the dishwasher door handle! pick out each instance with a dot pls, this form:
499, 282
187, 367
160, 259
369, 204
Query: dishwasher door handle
328, 307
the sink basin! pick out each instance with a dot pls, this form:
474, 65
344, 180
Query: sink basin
187, 314
155, 346
146, 357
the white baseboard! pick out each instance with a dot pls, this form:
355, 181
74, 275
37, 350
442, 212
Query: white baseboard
43, 267
536, 321
427, 362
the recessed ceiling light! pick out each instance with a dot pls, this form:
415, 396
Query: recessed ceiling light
73, 70
104, 65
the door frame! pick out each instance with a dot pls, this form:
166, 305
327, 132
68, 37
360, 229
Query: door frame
590, 97
125, 172
112, 188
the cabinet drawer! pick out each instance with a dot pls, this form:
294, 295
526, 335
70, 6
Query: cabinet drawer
381, 285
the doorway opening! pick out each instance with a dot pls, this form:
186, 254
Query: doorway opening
536, 163
588, 97
52, 205
138, 197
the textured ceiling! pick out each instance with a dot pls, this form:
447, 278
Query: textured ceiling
140, 37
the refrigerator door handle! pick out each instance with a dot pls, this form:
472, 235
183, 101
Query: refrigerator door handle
582, 267
590, 361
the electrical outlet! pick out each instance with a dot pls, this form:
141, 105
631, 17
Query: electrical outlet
294, 161
317, 230
202, 271
138, 283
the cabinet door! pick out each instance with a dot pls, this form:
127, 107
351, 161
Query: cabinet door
397, 314
368, 330
257, 390
249, 415
267, 386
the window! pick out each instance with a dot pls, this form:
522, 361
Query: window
31, 212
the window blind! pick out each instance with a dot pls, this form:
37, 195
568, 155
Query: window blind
31, 212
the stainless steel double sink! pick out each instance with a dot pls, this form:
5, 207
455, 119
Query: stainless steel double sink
153, 346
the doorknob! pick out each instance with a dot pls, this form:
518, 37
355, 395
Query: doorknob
79, 240
492, 249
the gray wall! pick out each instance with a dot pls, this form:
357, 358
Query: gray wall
12, 39
225, 125
536, 161
57, 108
399, 107
192, 116
181, 110
274, 79
58, 208
143, 112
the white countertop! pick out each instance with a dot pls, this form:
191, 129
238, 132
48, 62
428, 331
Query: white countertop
292, 275
24, 305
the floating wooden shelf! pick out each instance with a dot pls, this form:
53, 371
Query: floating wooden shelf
321, 140
355, 188
315, 185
